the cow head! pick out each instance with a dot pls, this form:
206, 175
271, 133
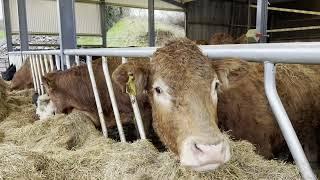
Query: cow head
22, 79
182, 85
221, 38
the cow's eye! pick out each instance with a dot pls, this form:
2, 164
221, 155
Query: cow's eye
158, 90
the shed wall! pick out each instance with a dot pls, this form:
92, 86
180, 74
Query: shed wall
292, 20
42, 17
206, 17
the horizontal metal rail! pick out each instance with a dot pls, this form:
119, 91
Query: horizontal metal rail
293, 29
306, 53
303, 52
47, 52
317, 13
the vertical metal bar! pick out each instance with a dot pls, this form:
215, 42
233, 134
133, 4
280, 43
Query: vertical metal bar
186, 22
23, 25
103, 22
62, 62
77, 60
67, 26
136, 111
21, 59
58, 64
36, 73
284, 122
249, 16
39, 75
41, 65
151, 23
51, 63
7, 22
45, 58
124, 60
113, 98
262, 19
137, 115
96, 96
42, 72
68, 61
232, 18
33, 74
275, 102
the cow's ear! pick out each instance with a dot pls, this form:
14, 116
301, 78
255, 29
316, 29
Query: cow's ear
230, 71
48, 82
138, 70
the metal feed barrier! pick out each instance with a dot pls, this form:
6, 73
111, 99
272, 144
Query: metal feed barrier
269, 54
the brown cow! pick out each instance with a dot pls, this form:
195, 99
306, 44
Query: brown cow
22, 79
272, 149
243, 107
72, 89
221, 38
183, 90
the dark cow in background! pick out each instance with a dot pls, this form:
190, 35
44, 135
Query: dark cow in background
184, 87
9, 73
72, 89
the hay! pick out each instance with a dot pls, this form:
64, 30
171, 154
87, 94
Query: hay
3, 99
61, 131
19, 163
69, 147
13, 101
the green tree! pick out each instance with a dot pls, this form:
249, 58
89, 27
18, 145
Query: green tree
113, 15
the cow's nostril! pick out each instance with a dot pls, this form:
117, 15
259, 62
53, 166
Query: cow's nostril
197, 148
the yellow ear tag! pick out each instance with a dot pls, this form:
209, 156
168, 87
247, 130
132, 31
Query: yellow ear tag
252, 36
131, 86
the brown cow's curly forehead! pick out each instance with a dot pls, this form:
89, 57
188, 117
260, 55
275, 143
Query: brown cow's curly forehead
181, 64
